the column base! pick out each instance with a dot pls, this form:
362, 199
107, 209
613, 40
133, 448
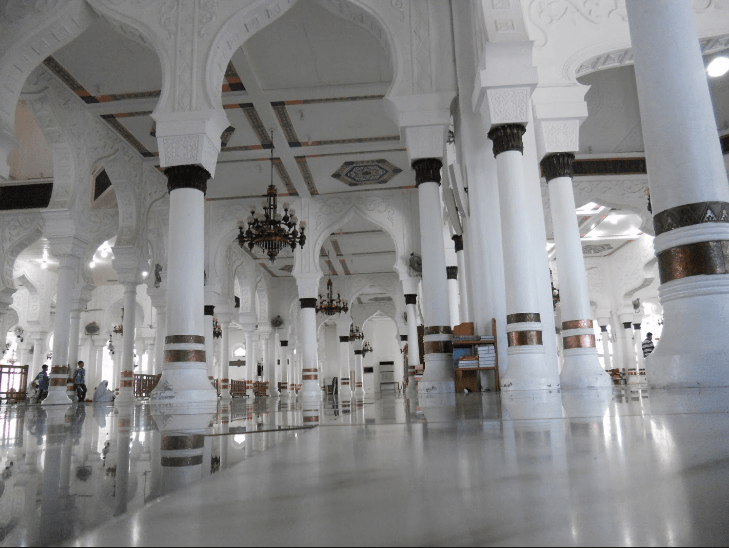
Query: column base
637, 380
692, 350
438, 375
411, 391
57, 397
582, 370
359, 391
126, 396
184, 386
528, 370
345, 392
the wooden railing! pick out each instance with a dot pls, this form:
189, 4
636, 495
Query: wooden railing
237, 388
144, 384
13, 382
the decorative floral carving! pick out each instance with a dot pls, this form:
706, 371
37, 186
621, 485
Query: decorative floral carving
545, 13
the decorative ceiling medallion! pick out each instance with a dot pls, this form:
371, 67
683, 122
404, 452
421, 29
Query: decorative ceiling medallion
596, 249
366, 172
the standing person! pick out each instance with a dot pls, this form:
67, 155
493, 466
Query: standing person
42, 381
648, 344
79, 381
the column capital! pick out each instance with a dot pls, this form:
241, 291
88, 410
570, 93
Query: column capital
558, 113
458, 241
410, 285
427, 170
557, 165
452, 272
209, 310
187, 176
507, 137
190, 138
411, 298
308, 285
126, 263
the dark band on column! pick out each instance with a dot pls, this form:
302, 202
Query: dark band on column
411, 298
523, 317
452, 272
689, 215
427, 170
284, 343
344, 339
403, 338
176, 462
458, 240
636, 326
308, 302
438, 347
438, 330
184, 339
701, 258
507, 137
577, 324
357, 352
172, 356
189, 176
626, 325
209, 310
179, 443
558, 165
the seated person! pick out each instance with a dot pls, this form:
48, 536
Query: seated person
102, 393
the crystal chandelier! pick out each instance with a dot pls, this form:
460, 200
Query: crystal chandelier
366, 347
268, 229
355, 333
330, 305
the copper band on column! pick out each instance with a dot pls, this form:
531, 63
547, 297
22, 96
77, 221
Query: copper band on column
438, 330
172, 356
224, 380
58, 382
524, 338
58, 370
345, 382
178, 443
184, 339
125, 423
701, 258
125, 374
579, 341
523, 317
310, 377
311, 419
577, 324
176, 462
438, 347
126, 384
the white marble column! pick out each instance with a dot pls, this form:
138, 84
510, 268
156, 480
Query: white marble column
39, 352
209, 313
605, 345
581, 365
638, 348
266, 360
438, 335
528, 369
184, 371
250, 359
628, 344
73, 336
310, 390
359, 392
158, 296
465, 306
345, 353
57, 391
126, 381
285, 369
273, 351
411, 300
453, 296
689, 195
290, 370
225, 319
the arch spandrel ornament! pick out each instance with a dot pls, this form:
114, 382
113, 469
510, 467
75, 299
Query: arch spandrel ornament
19, 230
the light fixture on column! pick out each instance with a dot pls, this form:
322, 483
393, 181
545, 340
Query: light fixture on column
217, 330
330, 305
718, 67
355, 333
268, 229
366, 347
119, 329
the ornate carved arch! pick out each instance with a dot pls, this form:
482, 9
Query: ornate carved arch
19, 230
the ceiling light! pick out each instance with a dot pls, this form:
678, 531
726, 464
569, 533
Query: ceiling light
44, 265
92, 264
718, 67
145, 274
104, 253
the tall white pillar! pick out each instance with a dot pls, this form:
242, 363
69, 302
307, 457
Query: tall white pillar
438, 376
628, 344
528, 369
345, 353
285, 369
126, 383
638, 348
73, 337
605, 342
290, 372
581, 367
453, 296
184, 374
273, 377
689, 195
411, 300
158, 296
225, 319
310, 390
266, 357
359, 391
462, 278
39, 352
250, 359
209, 313
57, 393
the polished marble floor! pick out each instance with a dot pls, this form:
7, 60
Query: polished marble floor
627, 467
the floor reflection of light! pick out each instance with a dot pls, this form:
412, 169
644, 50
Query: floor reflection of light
142, 436
239, 439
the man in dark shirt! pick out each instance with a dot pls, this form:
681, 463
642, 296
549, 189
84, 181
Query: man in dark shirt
79, 381
42, 380
648, 344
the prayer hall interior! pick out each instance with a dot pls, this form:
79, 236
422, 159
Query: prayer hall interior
357, 272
